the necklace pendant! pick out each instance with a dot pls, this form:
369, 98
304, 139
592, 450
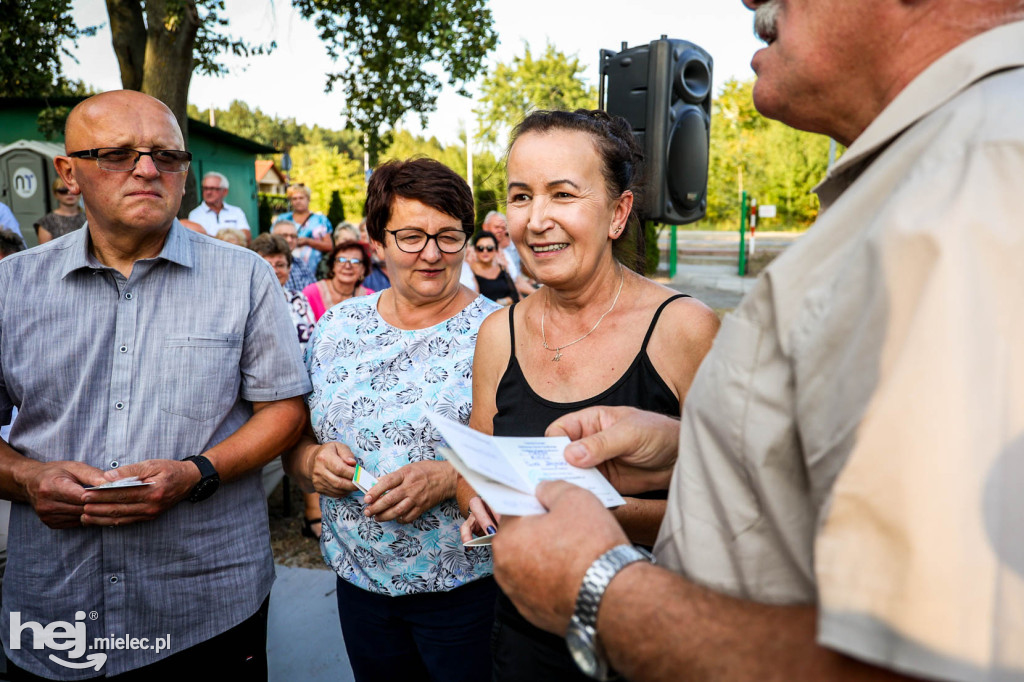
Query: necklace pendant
558, 355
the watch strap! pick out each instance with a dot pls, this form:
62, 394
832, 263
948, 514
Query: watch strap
597, 578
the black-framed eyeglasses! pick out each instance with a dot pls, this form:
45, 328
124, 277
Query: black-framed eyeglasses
485, 248
414, 241
62, 191
120, 159
341, 260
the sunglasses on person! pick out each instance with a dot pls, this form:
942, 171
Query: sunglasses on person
341, 260
62, 191
486, 248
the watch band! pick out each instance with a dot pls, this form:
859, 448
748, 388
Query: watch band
209, 481
582, 635
597, 578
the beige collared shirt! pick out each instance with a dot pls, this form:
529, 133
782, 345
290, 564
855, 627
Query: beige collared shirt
855, 438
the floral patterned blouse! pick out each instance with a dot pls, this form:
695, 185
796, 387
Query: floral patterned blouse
372, 387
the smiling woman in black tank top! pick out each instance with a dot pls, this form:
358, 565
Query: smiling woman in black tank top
596, 333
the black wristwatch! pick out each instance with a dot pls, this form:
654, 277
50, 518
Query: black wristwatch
209, 482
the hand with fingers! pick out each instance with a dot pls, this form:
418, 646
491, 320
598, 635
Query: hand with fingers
171, 480
636, 450
405, 493
480, 521
333, 468
56, 491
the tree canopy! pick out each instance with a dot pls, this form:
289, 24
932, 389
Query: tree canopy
771, 161
511, 91
34, 34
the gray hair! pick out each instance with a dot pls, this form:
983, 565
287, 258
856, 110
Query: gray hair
282, 222
491, 214
223, 180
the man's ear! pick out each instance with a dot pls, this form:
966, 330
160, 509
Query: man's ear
66, 171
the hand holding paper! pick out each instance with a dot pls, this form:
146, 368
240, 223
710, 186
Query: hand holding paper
505, 471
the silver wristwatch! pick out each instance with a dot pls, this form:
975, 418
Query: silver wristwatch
581, 636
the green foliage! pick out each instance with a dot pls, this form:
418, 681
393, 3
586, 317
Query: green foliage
385, 46
652, 254
270, 205
210, 40
33, 37
325, 170
511, 91
775, 163
336, 212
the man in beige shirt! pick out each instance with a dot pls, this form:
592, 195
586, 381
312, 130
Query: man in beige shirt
847, 499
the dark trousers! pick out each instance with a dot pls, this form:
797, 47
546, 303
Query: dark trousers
441, 636
525, 653
238, 654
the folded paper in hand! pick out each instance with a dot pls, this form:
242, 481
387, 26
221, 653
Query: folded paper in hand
505, 471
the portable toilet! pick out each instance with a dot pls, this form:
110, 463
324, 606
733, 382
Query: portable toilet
26, 172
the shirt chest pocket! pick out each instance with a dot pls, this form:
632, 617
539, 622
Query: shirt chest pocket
201, 374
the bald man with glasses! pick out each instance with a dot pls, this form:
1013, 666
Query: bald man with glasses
139, 380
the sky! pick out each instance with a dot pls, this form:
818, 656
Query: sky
289, 83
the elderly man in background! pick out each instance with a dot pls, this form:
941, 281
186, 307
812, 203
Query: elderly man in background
214, 214
141, 381
496, 224
301, 276
846, 502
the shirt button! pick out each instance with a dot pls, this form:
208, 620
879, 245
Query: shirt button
113, 579
129, 296
123, 349
119, 405
114, 465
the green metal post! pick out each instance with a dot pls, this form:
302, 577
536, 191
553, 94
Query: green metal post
743, 235
673, 254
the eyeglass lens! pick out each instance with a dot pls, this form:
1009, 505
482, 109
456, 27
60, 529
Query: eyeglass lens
341, 260
414, 241
121, 159
485, 248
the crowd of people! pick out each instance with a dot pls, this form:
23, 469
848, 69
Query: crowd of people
828, 478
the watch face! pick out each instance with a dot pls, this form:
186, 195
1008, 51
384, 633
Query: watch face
581, 646
204, 489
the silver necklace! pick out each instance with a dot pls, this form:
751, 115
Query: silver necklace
558, 349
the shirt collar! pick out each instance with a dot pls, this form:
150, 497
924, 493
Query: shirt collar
995, 50
177, 249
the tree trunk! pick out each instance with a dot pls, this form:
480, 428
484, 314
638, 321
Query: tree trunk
128, 32
170, 39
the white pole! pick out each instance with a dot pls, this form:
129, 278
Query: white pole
469, 153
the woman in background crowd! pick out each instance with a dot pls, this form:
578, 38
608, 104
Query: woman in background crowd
492, 279
274, 249
414, 603
571, 184
349, 264
67, 217
231, 236
314, 230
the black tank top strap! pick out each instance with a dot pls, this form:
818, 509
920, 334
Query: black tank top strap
654, 321
512, 327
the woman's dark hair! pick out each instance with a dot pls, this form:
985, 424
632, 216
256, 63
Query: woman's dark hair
483, 234
424, 180
268, 244
346, 245
622, 161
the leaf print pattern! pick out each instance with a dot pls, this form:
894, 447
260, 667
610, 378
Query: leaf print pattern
399, 432
372, 387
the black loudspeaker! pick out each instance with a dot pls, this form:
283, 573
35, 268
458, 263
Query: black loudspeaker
663, 90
